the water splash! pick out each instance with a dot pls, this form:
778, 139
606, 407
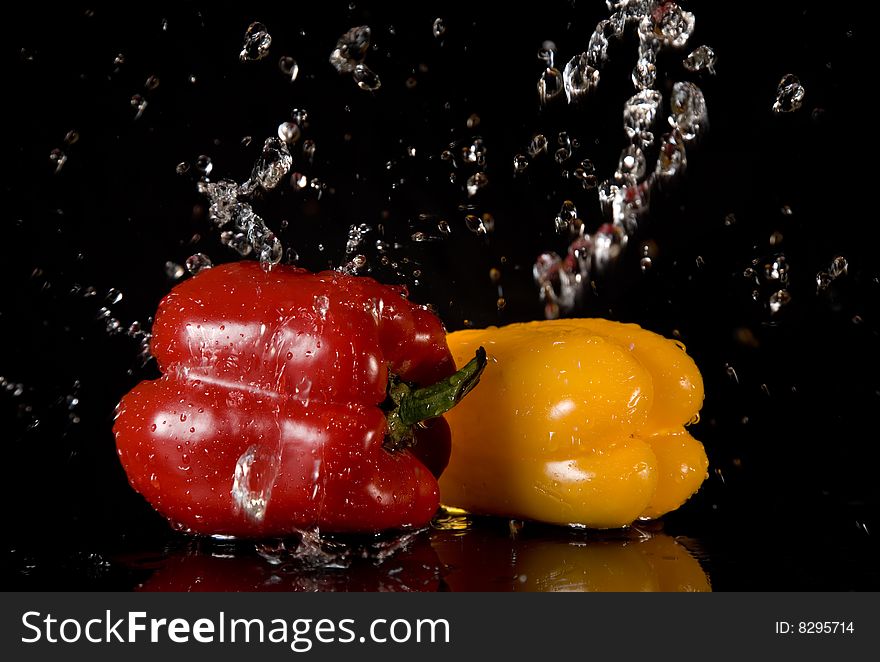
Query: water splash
624, 198
255, 473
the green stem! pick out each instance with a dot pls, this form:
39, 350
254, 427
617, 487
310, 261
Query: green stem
412, 405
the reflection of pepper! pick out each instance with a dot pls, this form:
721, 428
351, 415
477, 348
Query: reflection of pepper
415, 568
484, 560
576, 422
267, 417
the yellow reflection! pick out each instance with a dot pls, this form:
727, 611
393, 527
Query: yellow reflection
567, 562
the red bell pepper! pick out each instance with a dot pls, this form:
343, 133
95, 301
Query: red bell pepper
291, 400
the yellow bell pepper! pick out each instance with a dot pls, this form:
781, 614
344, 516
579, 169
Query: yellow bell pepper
575, 421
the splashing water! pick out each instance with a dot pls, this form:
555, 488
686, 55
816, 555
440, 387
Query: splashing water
253, 479
228, 208
625, 197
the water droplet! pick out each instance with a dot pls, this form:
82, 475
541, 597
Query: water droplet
114, 296
58, 159
838, 267
585, 173
538, 145
257, 41
475, 224
700, 59
308, 149
644, 75
688, 109
300, 116
272, 165
631, 165
289, 67
443, 227
608, 244
253, 479
779, 299
550, 85
566, 217
71, 137
476, 182
289, 132
198, 262
645, 264
672, 159
299, 181
520, 162
777, 269
438, 28
789, 95
271, 251
579, 78
204, 165
366, 78
639, 114
597, 48
151, 83
237, 241
823, 280
174, 271
351, 49
672, 25
139, 104
182, 168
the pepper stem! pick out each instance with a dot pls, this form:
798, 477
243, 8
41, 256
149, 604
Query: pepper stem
411, 405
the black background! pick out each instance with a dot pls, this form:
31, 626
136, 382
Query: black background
791, 501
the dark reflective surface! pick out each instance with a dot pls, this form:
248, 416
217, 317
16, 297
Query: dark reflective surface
791, 502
